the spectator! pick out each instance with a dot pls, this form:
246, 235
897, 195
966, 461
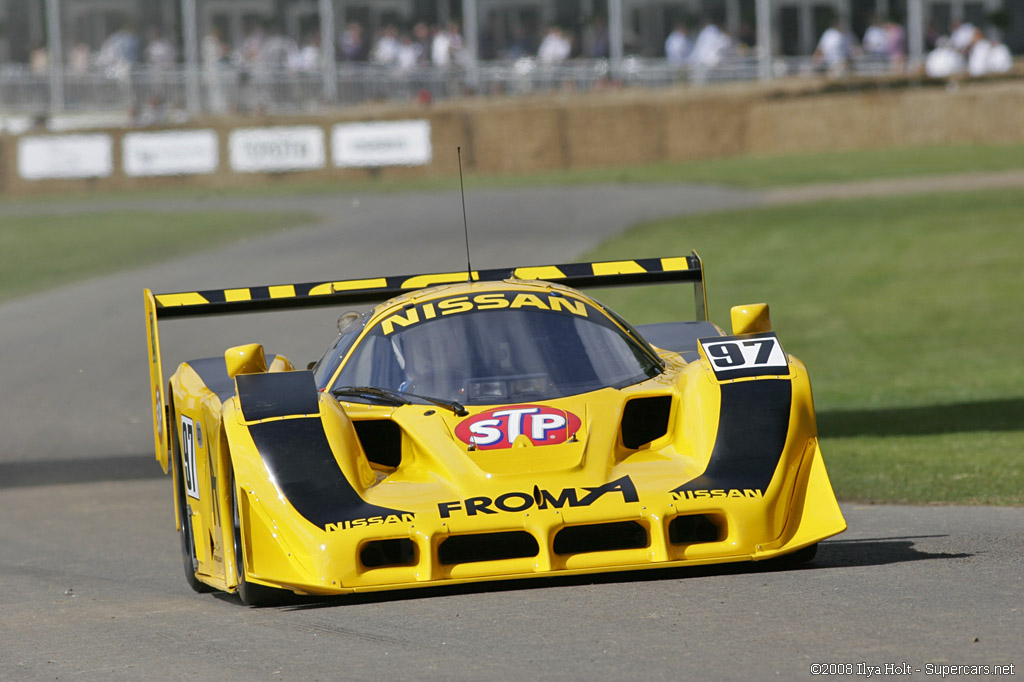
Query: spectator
213, 51
249, 51
409, 53
39, 60
678, 46
276, 49
307, 58
711, 46
160, 53
160, 59
746, 39
944, 61
214, 54
931, 36
896, 45
977, 58
518, 44
81, 59
119, 52
446, 48
876, 39
421, 38
595, 38
555, 48
962, 37
835, 48
352, 43
999, 58
385, 51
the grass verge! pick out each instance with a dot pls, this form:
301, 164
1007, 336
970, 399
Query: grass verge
906, 311
749, 172
43, 251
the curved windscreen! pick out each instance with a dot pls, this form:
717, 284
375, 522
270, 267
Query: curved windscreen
498, 348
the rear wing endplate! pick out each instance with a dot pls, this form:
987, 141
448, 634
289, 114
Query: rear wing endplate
156, 384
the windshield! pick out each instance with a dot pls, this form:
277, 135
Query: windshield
498, 348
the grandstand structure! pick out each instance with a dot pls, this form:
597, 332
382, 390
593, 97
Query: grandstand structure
23, 23
42, 43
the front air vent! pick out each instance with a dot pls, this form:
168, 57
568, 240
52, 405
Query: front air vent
600, 537
381, 553
465, 549
644, 420
381, 440
695, 528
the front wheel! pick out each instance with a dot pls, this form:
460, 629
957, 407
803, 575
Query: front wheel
187, 535
797, 558
251, 594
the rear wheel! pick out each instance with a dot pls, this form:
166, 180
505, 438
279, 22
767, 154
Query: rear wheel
187, 534
251, 594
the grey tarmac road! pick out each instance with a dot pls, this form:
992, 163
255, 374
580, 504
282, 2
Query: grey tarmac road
90, 575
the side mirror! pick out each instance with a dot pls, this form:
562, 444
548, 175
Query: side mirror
247, 359
751, 319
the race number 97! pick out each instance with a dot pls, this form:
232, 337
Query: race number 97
746, 356
188, 457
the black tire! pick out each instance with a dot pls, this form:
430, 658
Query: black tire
797, 558
188, 550
250, 593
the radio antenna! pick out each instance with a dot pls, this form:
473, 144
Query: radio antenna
465, 224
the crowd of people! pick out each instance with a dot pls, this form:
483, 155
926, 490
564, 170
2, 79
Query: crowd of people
707, 49
237, 74
966, 50
266, 47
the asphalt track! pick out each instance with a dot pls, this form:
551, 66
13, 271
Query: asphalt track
90, 575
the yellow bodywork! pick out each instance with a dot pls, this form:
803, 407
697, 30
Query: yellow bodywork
444, 488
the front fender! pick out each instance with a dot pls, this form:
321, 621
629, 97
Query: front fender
757, 438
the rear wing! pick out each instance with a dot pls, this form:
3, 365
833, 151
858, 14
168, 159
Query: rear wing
378, 289
644, 271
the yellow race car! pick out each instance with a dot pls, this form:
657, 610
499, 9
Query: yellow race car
486, 425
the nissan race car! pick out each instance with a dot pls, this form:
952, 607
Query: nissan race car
486, 425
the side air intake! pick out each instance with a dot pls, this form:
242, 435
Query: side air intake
644, 420
381, 440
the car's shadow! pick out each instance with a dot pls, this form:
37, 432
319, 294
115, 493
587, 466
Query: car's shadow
982, 415
832, 554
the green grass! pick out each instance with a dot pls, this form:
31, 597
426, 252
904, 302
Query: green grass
977, 467
749, 172
43, 251
850, 166
907, 312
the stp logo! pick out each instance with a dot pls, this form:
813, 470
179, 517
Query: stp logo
499, 428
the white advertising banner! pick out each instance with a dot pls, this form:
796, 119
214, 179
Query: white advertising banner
276, 149
172, 152
47, 157
382, 143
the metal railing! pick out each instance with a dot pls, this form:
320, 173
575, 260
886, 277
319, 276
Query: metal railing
144, 92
